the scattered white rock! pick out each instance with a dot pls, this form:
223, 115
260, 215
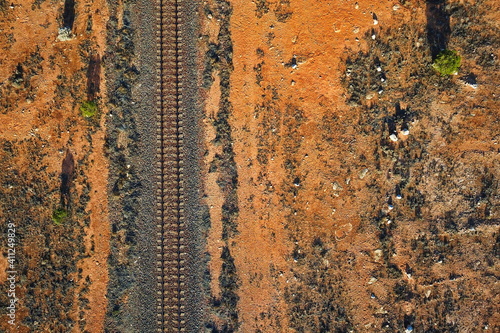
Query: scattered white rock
369, 96
373, 36
336, 186
375, 22
363, 173
399, 196
393, 137
405, 131
65, 34
379, 69
395, 7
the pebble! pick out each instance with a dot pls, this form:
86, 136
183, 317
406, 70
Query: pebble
363, 173
336, 186
393, 137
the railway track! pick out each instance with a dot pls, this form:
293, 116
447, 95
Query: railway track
169, 199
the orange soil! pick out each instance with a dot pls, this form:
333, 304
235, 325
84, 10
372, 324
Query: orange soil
37, 28
317, 34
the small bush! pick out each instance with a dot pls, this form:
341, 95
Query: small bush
88, 109
447, 62
58, 215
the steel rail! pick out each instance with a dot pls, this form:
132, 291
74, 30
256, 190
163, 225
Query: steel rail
169, 199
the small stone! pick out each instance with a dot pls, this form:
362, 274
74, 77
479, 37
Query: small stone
369, 96
65, 34
405, 131
395, 7
363, 173
377, 255
393, 137
336, 186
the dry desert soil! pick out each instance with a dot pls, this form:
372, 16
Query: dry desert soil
336, 182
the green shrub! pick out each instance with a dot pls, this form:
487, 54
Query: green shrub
58, 215
447, 62
88, 109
